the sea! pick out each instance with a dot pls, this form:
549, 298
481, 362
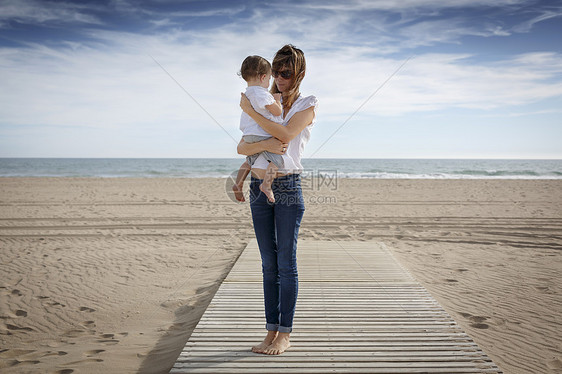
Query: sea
227, 167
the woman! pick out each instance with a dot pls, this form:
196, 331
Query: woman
277, 224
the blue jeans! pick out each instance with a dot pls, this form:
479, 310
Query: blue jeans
277, 227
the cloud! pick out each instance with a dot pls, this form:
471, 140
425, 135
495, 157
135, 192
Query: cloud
96, 88
390, 26
108, 82
547, 14
120, 85
432, 83
228, 11
432, 32
42, 12
406, 5
396, 26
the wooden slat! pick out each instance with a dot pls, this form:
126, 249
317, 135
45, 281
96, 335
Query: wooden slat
358, 311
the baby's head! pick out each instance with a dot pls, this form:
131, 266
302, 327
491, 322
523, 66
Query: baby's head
256, 70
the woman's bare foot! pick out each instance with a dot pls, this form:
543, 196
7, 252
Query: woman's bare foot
260, 348
238, 193
268, 192
279, 345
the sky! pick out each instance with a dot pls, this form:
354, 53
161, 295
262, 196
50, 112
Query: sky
394, 78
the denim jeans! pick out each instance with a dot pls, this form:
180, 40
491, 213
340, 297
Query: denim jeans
277, 227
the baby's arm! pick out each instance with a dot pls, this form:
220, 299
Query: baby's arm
276, 108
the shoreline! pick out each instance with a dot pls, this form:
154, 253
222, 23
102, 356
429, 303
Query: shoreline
339, 178
114, 273
342, 168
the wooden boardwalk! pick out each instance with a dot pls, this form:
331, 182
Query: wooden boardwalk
358, 311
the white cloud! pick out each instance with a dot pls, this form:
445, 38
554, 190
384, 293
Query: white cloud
122, 86
113, 84
38, 12
212, 12
405, 5
433, 82
546, 15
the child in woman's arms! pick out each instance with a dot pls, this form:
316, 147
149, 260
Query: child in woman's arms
256, 71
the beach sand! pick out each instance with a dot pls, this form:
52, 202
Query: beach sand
112, 275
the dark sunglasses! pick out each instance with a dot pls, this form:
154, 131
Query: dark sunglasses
285, 74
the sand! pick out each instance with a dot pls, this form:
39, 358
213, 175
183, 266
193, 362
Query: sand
112, 275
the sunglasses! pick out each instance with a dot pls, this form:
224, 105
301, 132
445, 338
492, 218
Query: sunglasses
285, 74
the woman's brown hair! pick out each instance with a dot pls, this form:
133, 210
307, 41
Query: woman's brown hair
291, 58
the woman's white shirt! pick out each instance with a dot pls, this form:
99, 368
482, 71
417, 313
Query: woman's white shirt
296, 146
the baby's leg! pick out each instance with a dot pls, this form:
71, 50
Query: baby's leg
270, 175
238, 187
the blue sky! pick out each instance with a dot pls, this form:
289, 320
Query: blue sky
82, 78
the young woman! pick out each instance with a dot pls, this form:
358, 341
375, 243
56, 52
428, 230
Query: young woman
277, 224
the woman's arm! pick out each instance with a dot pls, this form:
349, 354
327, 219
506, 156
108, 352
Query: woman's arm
284, 133
272, 145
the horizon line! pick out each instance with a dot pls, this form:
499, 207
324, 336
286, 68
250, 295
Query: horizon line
304, 158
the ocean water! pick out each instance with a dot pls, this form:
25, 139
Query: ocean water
225, 167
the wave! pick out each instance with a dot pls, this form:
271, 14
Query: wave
453, 175
341, 168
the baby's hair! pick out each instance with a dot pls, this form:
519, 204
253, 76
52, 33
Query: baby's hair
254, 66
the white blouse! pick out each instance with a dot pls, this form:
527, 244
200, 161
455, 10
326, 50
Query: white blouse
259, 98
296, 146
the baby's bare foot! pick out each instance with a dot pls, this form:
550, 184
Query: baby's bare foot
279, 345
238, 193
260, 348
268, 192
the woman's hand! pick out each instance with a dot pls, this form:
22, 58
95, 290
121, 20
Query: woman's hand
275, 145
245, 104
272, 145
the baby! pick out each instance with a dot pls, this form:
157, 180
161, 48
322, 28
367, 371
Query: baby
256, 71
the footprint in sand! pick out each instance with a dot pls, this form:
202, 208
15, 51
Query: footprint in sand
83, 361
13, 363
56, 303
21, 313
478, 319
12, 353
108, 339
554, 364
89, 324
448, 280
479, 325
86, 309
478, 322
64, 371
75, 333
108, 342
17, 328
17, 293
94, 352
543, 289
51, 353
